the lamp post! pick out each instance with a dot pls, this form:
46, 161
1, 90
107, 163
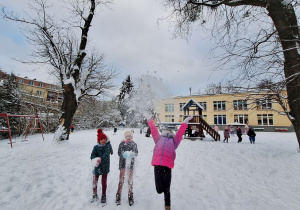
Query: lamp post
190, 90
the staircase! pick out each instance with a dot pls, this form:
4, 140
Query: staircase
215, 135
205, 126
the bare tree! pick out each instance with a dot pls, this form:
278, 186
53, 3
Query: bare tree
94, 113
56, 41
260, 38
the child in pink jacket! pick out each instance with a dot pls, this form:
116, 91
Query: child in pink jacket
164, 156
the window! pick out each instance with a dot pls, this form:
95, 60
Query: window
169, 107
241, 118
263, 104
31, 83
181, 105
38, 92
220, 119
50, 95
169, 118
203, 104
219, 105
265, 119
180, 118
240, 104
40, 84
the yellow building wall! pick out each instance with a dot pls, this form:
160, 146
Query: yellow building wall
33, 90
252, 111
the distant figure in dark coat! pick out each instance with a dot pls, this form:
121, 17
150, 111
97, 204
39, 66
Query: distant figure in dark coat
239, 134
148, 132
115, 130
251, 134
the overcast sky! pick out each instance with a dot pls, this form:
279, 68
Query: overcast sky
133, 42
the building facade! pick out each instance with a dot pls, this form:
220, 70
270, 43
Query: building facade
42, 92
222, 109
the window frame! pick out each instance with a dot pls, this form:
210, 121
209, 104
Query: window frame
39, 92
221, 117
244, 117
219, 105
265, 104
262, 118
169, 118
169, 107
240, 105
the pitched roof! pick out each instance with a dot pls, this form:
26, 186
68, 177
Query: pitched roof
191, 103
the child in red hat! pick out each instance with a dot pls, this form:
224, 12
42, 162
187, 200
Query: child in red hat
101, 161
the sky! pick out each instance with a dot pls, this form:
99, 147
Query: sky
133, 42
37, 174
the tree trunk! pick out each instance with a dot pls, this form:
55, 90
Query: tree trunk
285, 21
69, 107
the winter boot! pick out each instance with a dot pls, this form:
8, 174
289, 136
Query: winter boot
103, 199
118, 199
130, 199
95, 198
167, 207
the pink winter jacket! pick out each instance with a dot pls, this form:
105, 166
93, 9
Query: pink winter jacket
164, 151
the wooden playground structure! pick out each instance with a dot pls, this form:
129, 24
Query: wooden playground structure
195, 109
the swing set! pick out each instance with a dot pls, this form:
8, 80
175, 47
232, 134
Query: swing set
32, 117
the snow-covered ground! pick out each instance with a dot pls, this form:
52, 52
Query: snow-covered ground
207, 174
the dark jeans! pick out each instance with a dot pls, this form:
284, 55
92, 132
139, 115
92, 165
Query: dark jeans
163, 176
240, 138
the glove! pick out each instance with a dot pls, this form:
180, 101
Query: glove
147, 115
187, 119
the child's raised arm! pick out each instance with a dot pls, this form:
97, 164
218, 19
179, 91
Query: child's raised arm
180, 132
154, 131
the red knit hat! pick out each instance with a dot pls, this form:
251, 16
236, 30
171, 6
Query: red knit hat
100, 135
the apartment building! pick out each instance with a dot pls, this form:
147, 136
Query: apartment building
44, 90
222, 109
34, 91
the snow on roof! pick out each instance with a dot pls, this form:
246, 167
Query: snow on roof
191, 102
236, 123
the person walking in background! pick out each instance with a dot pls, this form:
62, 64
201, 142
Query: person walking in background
72, 128
226, 135
239, 134
251, 134
127, 152
216, 128
246, 129
115, 130
231, 131
164, 156
101, 161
